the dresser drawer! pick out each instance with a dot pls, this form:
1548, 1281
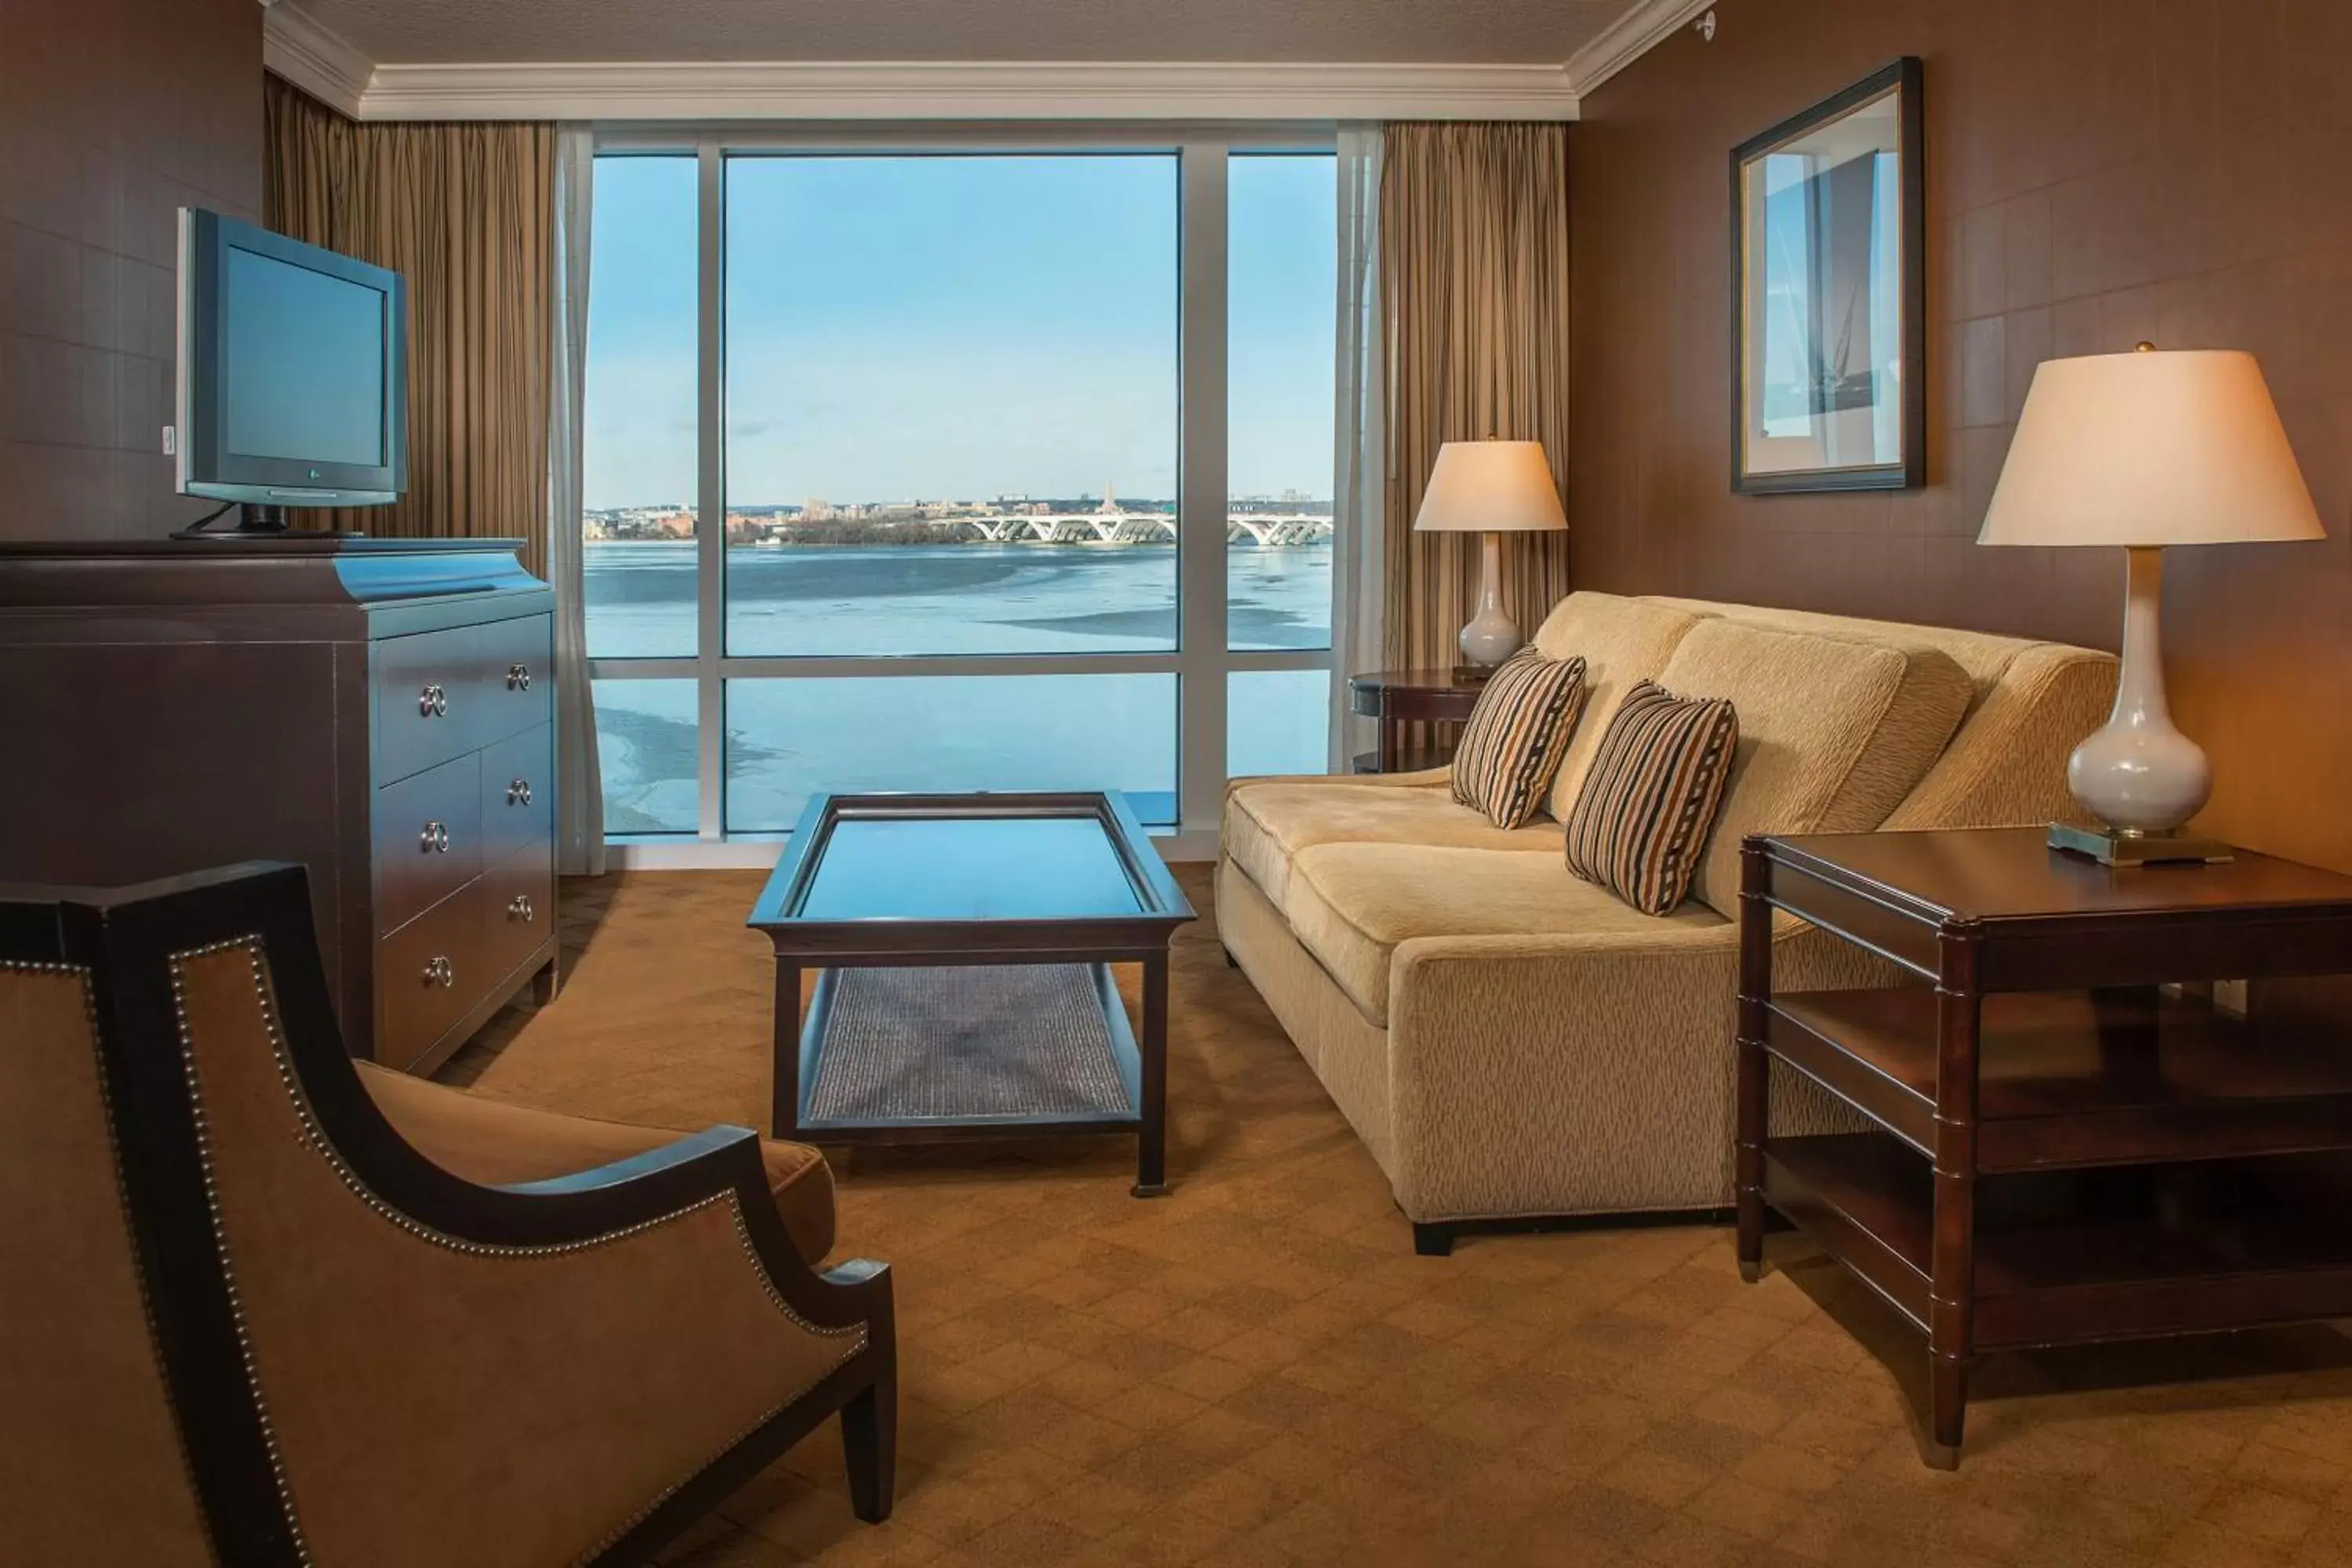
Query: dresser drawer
427, 974
515, 677
428, 693
428, 838
518, 793
517, 906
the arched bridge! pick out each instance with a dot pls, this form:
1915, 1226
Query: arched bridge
1264, 530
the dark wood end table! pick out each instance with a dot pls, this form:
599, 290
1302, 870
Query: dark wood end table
1400, 696
1032, 896
2067, 1146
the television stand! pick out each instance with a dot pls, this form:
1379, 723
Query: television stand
258, 519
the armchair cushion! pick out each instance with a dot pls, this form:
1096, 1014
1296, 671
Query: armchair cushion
493, 1143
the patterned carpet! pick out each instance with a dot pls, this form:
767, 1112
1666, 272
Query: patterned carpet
1258, 1371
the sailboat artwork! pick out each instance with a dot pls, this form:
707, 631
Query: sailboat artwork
1827, 213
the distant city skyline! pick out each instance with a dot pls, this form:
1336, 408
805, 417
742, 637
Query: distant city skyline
935, 326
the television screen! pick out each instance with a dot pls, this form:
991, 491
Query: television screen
305, 372
292, 371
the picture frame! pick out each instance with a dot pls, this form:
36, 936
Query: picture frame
1828, 294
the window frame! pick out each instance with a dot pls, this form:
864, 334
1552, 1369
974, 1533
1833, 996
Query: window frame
1201, 661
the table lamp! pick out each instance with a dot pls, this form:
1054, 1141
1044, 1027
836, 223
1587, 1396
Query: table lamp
1492, 488
2143, 451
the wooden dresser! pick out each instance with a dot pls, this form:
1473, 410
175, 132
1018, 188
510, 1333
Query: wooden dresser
380, 710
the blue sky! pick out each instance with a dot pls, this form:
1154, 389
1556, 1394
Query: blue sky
904, 327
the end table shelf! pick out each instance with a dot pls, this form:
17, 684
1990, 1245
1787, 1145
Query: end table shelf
2062, 1152
2081, 1077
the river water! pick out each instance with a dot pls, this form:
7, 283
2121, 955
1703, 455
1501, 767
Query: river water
788, 737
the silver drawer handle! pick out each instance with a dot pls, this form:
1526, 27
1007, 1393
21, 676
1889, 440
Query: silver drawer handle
518, 793
517, 677
518, 907
434, 839
432, 700
440, 972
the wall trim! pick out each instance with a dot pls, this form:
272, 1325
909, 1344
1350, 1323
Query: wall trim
1628, 39
296, 48
956, 91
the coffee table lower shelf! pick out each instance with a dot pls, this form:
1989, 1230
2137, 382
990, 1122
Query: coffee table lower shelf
2073, 1257
941, 1053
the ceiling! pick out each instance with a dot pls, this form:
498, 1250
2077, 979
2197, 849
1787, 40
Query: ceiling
1515, 32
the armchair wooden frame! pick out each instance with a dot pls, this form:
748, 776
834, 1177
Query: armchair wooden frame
126, 942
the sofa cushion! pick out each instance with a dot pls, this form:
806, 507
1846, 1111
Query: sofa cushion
495, 1143
1642, 819
1833, 732
2007, 766
1621, 641
1268, 822
1986, 656
1351, 904
1519, 730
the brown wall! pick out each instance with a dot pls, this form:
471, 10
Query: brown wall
2097, 173
114, 114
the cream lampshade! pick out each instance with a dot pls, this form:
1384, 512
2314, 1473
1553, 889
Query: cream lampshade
2144, 450
1490, 488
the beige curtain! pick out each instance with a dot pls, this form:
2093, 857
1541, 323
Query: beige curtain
464, 212
1474, 295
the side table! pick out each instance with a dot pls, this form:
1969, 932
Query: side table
2064, 1148
1400, 696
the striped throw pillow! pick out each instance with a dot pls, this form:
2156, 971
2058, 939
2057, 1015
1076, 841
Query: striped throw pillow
1516, 734
1639, 823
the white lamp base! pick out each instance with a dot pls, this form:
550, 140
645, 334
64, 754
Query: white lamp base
2137, 774
1491, 637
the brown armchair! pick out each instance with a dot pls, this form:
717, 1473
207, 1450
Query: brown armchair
260, 1306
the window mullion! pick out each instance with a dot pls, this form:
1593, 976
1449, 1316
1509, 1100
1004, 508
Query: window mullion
710, 505
1200, 499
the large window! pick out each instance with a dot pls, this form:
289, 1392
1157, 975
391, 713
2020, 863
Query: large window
1026, 483
639, 476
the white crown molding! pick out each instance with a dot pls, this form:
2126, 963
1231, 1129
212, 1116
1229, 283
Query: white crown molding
319, 62
1043, 91
1627, 40
296, 47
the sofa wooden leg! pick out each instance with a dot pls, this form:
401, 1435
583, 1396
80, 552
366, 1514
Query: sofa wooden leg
869, 1442
1432, 1240
1231, 962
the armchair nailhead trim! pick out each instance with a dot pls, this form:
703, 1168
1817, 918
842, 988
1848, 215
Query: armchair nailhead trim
314, 1138
286, 1508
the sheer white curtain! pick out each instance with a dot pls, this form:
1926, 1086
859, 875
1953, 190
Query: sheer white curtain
1360, 481
579, 788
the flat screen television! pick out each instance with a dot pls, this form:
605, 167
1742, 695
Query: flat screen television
293, 370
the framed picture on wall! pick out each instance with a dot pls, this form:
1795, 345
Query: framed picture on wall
1829, 295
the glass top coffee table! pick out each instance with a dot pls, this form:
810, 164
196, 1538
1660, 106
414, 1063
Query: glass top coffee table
960, 945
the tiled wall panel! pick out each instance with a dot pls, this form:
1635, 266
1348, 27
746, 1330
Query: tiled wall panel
114, 114
2097, 173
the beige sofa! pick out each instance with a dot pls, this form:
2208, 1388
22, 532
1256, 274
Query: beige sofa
1513, 1044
